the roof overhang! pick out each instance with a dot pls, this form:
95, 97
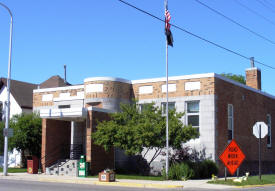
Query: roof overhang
64, 113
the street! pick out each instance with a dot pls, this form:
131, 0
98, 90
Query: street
19, 185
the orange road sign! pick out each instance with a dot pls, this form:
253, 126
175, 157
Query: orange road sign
232, 157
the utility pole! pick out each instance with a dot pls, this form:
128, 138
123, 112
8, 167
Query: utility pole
7, 115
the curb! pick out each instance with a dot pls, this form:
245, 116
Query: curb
137, 185
117, 183
254, 186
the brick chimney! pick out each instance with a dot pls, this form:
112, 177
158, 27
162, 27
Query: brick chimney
253, 76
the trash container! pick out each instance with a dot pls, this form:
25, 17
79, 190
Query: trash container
82, 167
32, 165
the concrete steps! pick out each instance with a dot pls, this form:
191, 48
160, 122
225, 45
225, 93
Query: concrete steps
64, 167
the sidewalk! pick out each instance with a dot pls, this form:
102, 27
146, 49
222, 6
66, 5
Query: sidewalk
119, 182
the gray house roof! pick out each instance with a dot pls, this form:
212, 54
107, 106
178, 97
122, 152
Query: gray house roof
21, 91
54, 81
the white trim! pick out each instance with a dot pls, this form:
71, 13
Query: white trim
194, 76
107, 79
59, 88
59, 113
145, 89
232, 118
93, 108
171, 88
193, 114
189, 86
172, 78
92, 88
255, 68
47, 97
70, 98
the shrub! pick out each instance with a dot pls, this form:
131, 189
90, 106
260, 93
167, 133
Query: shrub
192, 170
204, 169
179, 171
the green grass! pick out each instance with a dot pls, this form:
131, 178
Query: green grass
14, 170
134, 177
252, 180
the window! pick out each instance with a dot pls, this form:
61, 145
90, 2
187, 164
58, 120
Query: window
143, 106
230, 119
171, 106
1, 110
269, 130
193, 114
64, 106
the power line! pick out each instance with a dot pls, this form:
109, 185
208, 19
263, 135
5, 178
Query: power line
268, 3
235, 22
194, 35
255, 12
266, 6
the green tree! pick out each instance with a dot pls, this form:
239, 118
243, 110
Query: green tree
138, 132
235, 77
2, 126
27, 134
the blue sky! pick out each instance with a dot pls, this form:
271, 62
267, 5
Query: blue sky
107, 38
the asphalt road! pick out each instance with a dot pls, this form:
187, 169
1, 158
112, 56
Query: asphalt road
19, 185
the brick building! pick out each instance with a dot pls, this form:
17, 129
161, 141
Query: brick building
221, 109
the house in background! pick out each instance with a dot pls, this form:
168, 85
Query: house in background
21, 100
221, 109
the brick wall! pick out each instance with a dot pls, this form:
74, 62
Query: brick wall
37, 96
249, 107
111, 89
96, 155
206, 88
56, 137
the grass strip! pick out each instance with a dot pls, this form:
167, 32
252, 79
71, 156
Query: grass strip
15, 170
252, 180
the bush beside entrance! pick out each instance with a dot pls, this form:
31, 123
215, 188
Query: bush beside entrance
192, 170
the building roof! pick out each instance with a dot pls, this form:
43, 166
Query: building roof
21, 91
54, 81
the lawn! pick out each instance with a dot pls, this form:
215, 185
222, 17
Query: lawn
252, 180
14, 170
134, 177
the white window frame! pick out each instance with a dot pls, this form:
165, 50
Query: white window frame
193, 114
269, 135
163, 104
229, 117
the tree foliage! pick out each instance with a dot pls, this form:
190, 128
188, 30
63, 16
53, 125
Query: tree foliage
235, 77
138, 132
27, 133
2, 126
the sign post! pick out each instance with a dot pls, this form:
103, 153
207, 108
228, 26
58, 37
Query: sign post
260, 130
232, 157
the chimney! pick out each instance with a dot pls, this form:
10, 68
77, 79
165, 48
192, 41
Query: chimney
253, 76
65, 76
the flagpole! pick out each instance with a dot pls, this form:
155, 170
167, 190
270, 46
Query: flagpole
167, 125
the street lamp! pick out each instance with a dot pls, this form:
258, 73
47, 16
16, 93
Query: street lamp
7, 116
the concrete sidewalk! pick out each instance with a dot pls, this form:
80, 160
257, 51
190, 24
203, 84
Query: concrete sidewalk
119, 182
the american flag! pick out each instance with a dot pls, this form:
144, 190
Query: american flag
169, 36
167, 19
